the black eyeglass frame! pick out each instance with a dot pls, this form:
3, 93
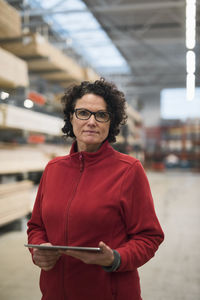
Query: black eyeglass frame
92, 113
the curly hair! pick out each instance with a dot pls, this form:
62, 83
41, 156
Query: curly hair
114, 99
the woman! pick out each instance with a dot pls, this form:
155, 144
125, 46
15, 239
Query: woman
96, 197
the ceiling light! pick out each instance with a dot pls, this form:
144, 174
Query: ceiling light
190, 24
190, 62
190, 45
28, 103
4, 95
190, 86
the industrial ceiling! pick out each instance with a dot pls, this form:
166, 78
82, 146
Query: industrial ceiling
149, 35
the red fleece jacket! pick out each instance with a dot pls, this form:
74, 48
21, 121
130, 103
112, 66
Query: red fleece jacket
84, 198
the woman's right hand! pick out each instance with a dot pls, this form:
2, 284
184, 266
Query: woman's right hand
45, 259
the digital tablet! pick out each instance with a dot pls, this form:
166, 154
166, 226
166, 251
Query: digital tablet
46, 247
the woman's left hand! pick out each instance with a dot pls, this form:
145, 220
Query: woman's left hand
103, 258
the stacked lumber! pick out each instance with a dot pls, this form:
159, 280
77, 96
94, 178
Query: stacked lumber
26, 158
13, 70
44, 58
10, 21
20, 118
21, 160
15, 200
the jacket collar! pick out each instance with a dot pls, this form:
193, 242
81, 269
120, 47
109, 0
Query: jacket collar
91, 157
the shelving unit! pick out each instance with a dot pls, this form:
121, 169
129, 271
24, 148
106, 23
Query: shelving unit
29, 138
184, 141
23, 157
180, 139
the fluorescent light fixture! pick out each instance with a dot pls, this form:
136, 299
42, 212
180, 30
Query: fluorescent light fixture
190, 62
190, 86
4, 95
28, 103
190, 24
190, 44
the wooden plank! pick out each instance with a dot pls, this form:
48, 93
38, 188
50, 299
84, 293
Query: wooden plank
7, 188
22, 159
15, 200
13, 70
10, 21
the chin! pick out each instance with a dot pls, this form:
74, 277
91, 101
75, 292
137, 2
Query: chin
92, 141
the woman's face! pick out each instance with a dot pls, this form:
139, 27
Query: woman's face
90, 133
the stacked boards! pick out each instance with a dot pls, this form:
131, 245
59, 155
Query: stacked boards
45, 59
10, 21
13, 70
15, 200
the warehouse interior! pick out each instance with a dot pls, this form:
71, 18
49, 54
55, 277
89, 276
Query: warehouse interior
148, 49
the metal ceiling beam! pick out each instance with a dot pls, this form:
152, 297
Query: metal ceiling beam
137, 6
108, 8
162, 43
148, 89
126, 37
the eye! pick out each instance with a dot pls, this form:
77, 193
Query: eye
83, 113
102, 114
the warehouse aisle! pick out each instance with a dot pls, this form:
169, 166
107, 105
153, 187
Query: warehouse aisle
173, 274
175, 271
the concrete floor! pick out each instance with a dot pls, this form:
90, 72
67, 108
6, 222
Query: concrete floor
173, 274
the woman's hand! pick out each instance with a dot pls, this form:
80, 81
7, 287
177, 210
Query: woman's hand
45, 259
104, 258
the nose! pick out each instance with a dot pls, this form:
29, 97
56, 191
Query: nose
92, 120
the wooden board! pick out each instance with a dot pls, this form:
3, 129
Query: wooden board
13, 71
20, 118
15, 200
10, 21
22, 159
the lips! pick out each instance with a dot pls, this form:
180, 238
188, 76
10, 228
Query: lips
90, 132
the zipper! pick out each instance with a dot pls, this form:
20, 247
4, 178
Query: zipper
81, 162
81, 168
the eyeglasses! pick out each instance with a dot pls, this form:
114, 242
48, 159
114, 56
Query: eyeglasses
85, 114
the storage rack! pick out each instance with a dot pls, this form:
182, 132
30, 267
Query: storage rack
32, 67
179, 138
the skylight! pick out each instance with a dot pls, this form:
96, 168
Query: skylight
73, 21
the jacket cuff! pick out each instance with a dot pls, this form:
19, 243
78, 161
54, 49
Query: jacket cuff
116, 263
